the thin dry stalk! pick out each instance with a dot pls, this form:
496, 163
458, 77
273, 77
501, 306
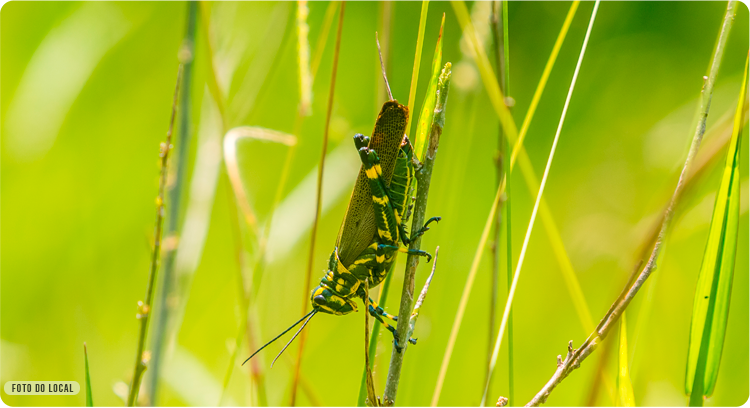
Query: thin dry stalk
319, 203
575, 357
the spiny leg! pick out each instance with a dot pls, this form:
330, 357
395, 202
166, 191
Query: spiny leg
374, 313
379, 310
422, 230
418, 252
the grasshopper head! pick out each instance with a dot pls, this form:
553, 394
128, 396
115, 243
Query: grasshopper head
325, 300
327, 296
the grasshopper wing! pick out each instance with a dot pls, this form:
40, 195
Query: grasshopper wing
358, 229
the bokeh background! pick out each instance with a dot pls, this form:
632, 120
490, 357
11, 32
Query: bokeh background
86, 97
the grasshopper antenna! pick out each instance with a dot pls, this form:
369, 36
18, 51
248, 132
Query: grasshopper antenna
283, 333
382, 67
311, 314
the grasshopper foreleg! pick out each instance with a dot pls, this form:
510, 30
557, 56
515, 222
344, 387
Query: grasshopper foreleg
378, 313
425, 228
418, 252
361, 140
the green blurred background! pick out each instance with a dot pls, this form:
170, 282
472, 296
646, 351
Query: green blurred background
86, 96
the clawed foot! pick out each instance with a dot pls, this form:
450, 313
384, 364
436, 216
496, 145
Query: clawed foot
397, 346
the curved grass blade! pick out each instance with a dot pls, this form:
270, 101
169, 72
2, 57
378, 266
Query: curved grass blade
87, 377
231, 139
233, 170
712, 295
625, 397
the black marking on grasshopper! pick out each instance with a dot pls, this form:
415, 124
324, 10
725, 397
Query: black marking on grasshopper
374, 225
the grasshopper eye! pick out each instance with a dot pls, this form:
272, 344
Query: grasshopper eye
319, 300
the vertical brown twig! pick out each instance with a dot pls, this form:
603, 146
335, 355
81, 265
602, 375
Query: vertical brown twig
318, 205
574, 357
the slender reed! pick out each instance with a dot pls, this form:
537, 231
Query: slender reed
575, 357
509, 128
164, 309
524, 247
144, 308
318, 205
499, 10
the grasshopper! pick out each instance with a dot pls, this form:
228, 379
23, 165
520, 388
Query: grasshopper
374, 225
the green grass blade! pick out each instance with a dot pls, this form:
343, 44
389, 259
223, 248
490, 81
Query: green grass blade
508, 228
510, 131
87, 376
417, 60
625, 397
428, 105
712, 294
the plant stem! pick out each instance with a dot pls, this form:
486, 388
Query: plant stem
373, 347
318, 205
144, 308
502, 163
424, 175
164, 310
574, 357
499, 168
508, 237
